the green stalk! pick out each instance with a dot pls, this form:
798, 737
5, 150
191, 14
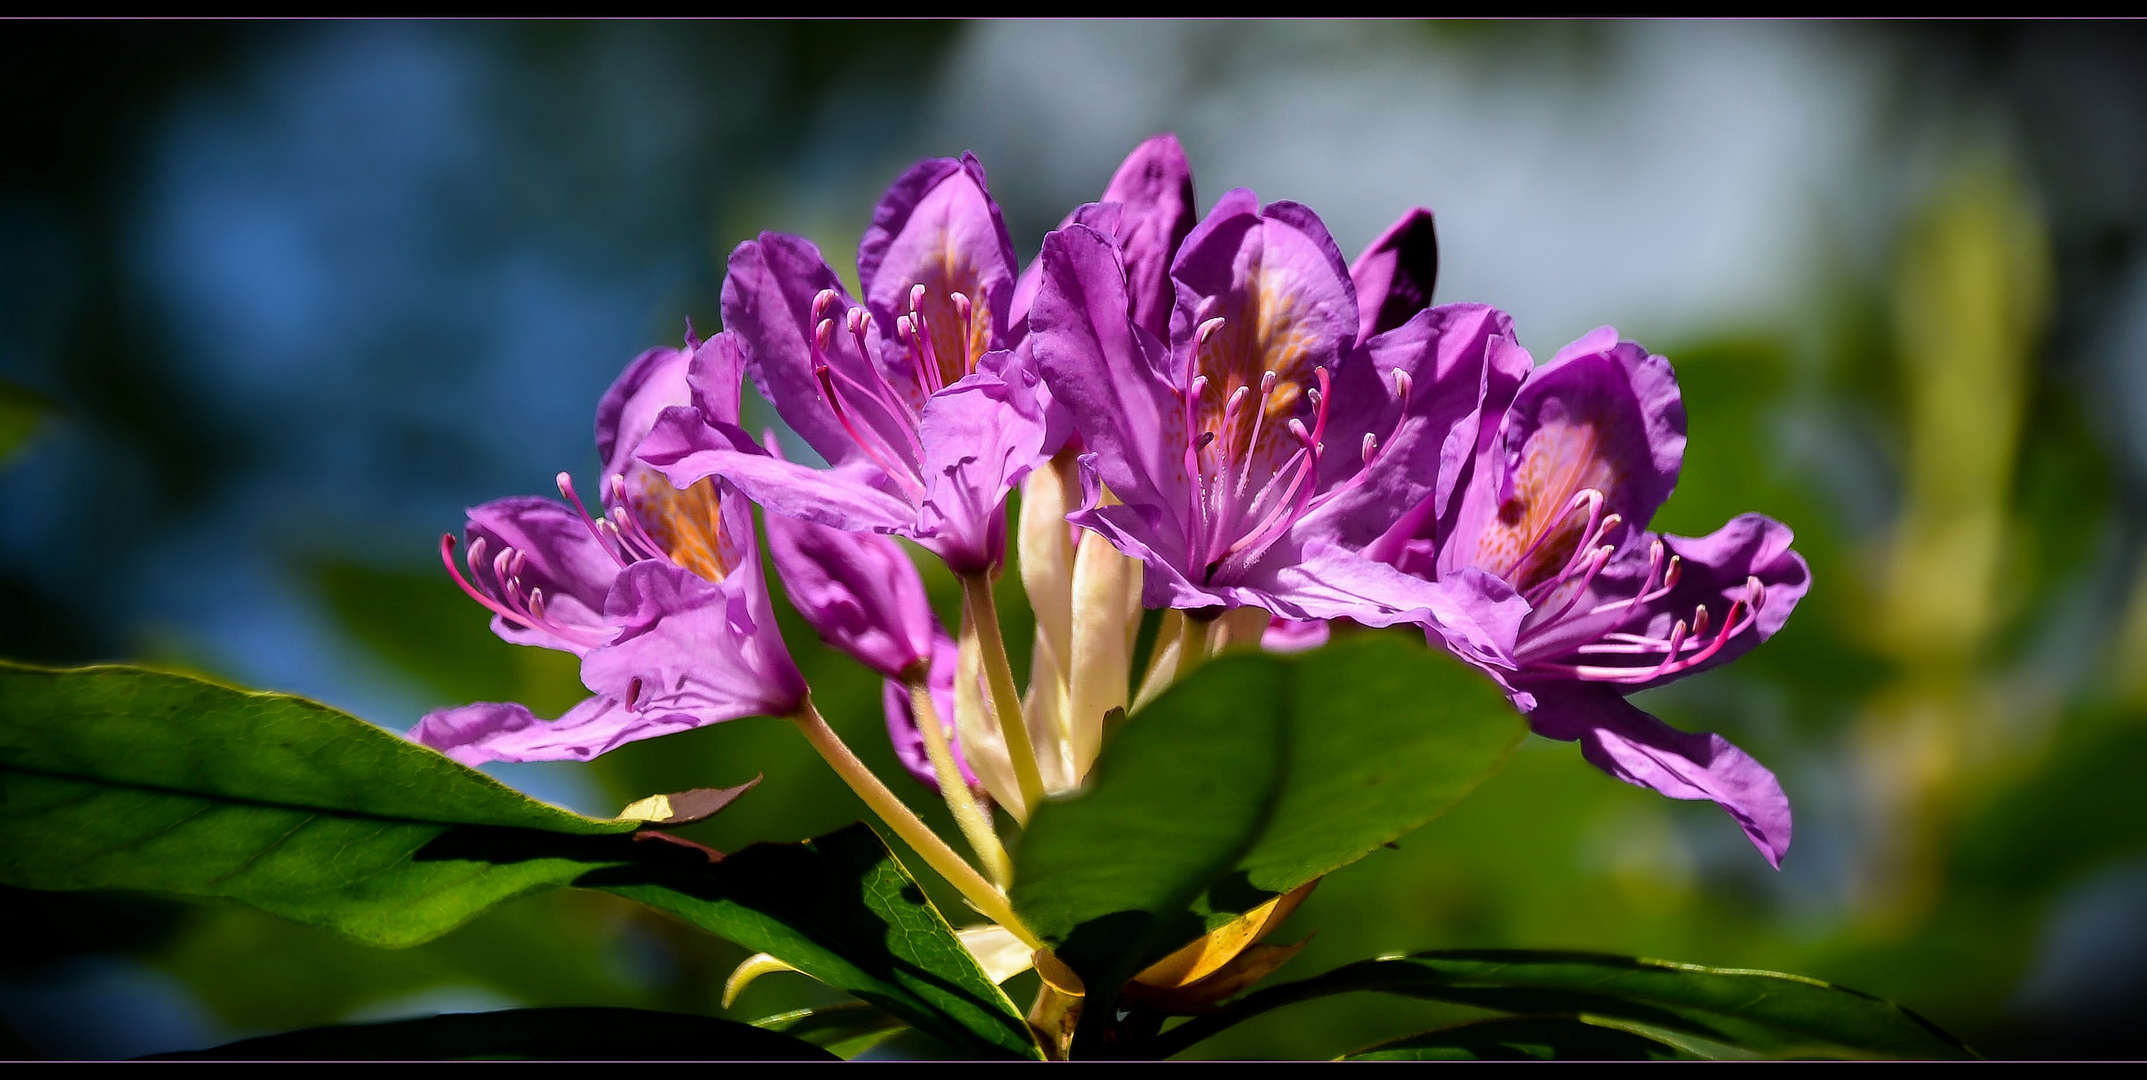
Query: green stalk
999, 679
981, 894
974, 822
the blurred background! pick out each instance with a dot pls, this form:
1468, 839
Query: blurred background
278, 300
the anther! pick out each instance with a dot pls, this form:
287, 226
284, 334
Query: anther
916, 298
536, 604
1206, 439
1297, 429
1200, 385
1207, 330
821, 302
476, 553
1402, 385
1312, 395
1699, 621
823, 333
1371, 447
1237, 397
1267, 384
961, 308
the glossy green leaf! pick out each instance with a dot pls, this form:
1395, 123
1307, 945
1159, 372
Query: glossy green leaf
119, 778
563, 1034
845, 1030
128, 779
1704, 1011
1255, 775
1521, 1038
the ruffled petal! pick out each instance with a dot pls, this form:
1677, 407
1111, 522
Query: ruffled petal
1641, 750
1275, 277
1424, 445
981, 436
938, 227
1604, 415
507, 731
691, 647
1395, 274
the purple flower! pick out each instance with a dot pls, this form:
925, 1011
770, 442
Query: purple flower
924, 414
858, 591
1216, 448
661, 596
1570, 461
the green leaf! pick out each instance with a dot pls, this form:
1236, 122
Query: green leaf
1257, 774
840, 909
845, 1030
119, 778
127, 779
563, 1034
1521, 1038
1702, 1011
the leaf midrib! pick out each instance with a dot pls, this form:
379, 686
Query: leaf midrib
302, 808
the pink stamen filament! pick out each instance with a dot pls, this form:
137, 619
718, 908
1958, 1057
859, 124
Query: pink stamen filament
529, 613
566, 488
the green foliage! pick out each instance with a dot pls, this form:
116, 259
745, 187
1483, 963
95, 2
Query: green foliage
570, 1034
1254, 776
121, 778
305, 812
1523, 1038
1702, 1011
845, 1030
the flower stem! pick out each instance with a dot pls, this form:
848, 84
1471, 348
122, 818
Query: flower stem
975, 823
981, 894
999, 678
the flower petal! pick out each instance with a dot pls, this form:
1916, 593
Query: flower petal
1395, 274
768, 299
1424, 446
1108, 372
1635, 747
687, 449
1716, 573
653, 382
1605, 415
1275, 277
1154, 188
857, 590
981, 436
507, 731
688, 646
938, 227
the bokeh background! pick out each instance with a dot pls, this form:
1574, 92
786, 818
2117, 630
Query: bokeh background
278, 300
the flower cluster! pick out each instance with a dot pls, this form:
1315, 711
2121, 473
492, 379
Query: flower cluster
1215, 416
